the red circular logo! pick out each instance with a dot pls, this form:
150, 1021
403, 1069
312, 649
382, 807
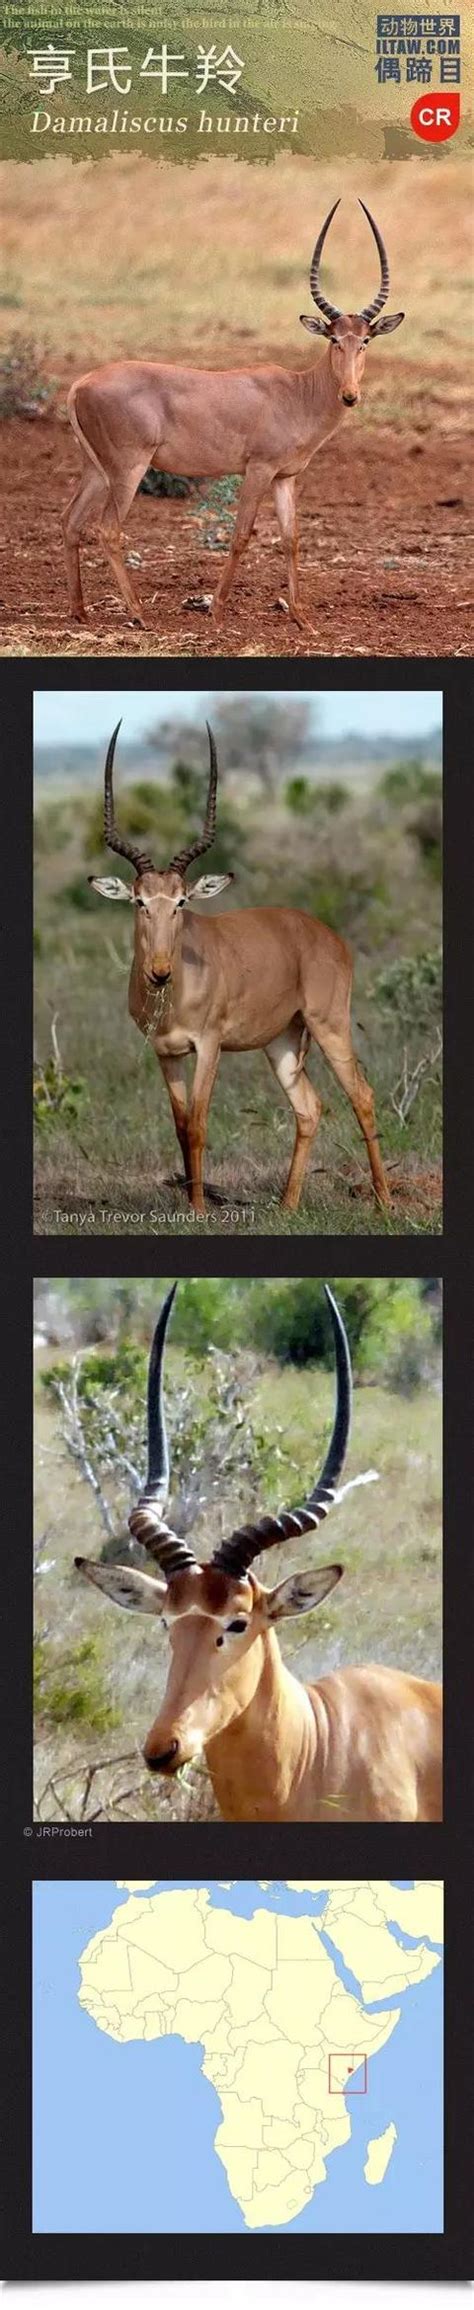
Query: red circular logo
436, 116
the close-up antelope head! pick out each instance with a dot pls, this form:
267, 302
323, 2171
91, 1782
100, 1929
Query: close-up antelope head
158, 894
358, 1742
350, 334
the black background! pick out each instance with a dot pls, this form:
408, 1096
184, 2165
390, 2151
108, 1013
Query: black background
217, 1849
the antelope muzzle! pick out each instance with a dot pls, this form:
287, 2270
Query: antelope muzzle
166, 1760
159, 975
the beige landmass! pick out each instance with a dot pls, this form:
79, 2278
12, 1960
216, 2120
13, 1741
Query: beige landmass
357, 1918
262, 1997
135, 1884
379, 2153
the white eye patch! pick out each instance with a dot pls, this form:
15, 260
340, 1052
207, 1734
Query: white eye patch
161, 898
234, 1628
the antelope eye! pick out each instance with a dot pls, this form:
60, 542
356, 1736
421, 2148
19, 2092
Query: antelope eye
236, 1627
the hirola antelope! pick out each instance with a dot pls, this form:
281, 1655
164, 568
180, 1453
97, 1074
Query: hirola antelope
264, 423
363, 1744
264, 978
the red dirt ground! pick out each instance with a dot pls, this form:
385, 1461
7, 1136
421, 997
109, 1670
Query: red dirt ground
384, 528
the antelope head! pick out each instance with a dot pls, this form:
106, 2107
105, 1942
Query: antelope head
349, 334
158, 895
217, 1614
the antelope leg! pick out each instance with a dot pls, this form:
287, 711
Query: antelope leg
284, 1054
176, 1086
88, 500
285, 503
257, 481
338, 1050
208, 1056
112, 534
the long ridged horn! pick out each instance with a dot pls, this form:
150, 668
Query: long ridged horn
370, 311
331, 312
204, 841
146, 1522
138, 858
236, 1553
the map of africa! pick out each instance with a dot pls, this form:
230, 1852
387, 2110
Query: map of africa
238, 2056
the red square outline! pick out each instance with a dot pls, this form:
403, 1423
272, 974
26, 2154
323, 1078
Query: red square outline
349, 2089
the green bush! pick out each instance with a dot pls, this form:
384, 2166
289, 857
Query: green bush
138, 816
123, 1369
410, 989
287, 1320
299, 796
409, 782
23, 391
69, 1688
215, 509
305, 798
332, 796
164, 818
157, 484
77, 893
57, 1096
292, 1321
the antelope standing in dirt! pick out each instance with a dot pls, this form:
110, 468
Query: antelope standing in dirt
363, 1744
263, 978
264, 423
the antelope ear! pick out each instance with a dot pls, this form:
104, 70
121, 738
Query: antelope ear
317, 328
384, 328
209, 885
302, 1591
133, 1590
110, 886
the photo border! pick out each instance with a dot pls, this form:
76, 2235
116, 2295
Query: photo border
224, 1849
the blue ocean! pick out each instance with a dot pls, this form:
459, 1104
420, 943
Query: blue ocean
123, 2134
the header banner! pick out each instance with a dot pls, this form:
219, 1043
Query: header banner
91, 79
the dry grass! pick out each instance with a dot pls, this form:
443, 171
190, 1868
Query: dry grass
88, 281
209, 264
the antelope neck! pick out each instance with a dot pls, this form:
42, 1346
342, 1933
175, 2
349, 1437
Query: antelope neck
255, 1765
320, 404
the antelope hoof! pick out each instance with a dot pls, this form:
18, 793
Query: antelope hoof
219, 605
300, 619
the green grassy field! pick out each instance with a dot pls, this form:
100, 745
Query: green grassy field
366, 863
101, 1673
